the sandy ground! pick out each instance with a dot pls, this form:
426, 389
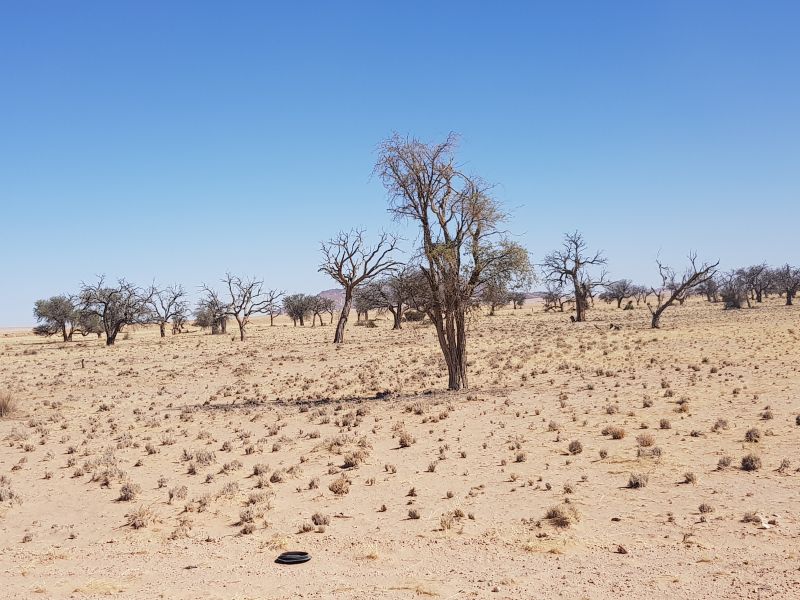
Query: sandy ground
223, 453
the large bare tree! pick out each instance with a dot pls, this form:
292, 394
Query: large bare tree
674, 289
116, 305
351, 262
460, 236
572, 265
168, 304
247, 297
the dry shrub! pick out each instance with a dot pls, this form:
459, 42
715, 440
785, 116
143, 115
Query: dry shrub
575, 447
406, 439
129, 491
8, 404
340, 486
562, 515
751, 462
637, 480
752, 435
320, 519
645, 440
616, 432
141, 517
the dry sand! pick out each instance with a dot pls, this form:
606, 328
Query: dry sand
484, 466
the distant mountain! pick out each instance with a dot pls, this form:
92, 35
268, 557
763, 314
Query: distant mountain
336, 294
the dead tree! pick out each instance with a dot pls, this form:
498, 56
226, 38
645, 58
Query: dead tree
787, 280
116, 306
619, 291
459, 232
570, 265
168, 304
351, 262
247, 298
673, 289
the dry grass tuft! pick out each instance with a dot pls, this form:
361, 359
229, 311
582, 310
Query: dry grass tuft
8, 405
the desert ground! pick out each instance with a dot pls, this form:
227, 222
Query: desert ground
181, 467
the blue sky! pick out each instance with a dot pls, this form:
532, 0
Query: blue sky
177, 140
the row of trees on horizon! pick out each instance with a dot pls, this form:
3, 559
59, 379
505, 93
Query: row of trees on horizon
465, 260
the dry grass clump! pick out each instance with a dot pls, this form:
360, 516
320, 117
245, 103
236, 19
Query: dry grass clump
129, 491
562, 515
752, 435
141, 517
177, 493
354, 459
575, 447
645, 440
705, 508
320, 519
664, 424
406, 439
8, 404
6, 493
616, 432
689, 477
413, 513
637, 480
340, 486
751, 462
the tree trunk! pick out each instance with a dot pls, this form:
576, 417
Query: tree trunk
789, 298
64, 332
162, 329
241, 329
655, 322
619, 302
338, 338
397, 313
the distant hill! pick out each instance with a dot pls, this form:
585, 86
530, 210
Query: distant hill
336, 294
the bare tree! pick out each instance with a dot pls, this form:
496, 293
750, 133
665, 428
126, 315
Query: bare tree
212, 312
733, 290
554, 297
319, 305
570, 265
247, 297
168, 304
673, 289
366, 298
459, 225
351, 262
757, 280
116, 306
709, 290
619, 291
518, 299
787, 280
641, 293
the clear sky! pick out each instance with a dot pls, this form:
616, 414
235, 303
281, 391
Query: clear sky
177, 140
